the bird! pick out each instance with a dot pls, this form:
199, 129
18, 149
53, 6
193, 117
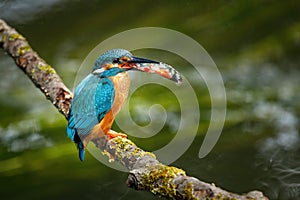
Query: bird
101, 94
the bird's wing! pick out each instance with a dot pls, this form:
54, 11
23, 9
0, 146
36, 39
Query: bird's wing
92, 100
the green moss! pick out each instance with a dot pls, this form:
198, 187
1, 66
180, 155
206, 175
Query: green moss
111, 159
33, 73
125, 144
22, 50
15, 36
47, 68
188, 191
160, 179
122, 142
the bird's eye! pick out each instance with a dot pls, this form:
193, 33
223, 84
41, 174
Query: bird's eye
116, 60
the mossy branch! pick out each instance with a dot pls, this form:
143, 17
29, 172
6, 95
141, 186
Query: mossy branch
146, 172
42, 74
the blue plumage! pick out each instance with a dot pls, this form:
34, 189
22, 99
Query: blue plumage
92, 100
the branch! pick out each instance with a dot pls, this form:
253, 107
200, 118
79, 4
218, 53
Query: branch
41, 74
146, 172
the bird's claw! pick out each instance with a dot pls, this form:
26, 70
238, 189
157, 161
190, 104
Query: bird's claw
112, 134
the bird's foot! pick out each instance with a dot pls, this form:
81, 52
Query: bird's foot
112, 134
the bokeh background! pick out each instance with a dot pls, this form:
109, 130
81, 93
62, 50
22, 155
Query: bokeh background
256, 46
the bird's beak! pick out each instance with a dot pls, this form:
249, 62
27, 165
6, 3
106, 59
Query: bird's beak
155, 67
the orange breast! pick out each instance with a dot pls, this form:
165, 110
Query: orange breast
121, 86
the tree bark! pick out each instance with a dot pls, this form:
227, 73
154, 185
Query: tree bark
146, 172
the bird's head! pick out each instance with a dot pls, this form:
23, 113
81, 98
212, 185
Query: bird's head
116, 61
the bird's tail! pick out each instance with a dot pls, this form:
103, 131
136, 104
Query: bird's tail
80, 150
73, 135
75, 138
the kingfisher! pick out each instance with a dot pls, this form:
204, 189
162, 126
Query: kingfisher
99, 96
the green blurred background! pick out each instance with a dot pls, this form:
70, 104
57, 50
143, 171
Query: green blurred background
256, 46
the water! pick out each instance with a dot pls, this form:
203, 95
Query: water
255, 47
